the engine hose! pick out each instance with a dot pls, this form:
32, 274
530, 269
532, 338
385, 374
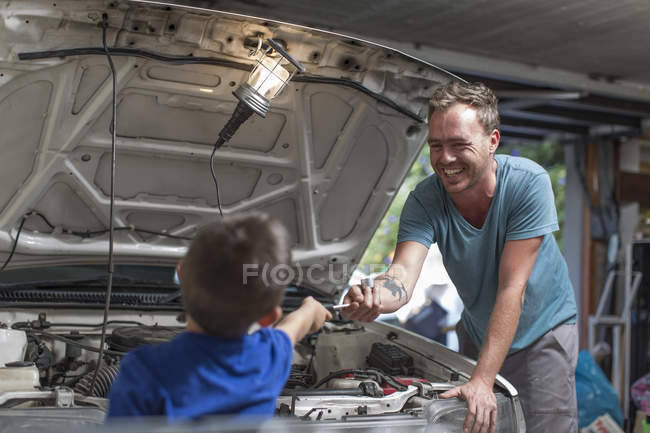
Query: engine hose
105, 377
379, 375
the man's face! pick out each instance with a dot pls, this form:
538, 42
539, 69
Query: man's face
460, 148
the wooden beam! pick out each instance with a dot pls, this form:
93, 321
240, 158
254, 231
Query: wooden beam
633, 187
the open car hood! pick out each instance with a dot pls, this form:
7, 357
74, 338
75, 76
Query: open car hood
326, 160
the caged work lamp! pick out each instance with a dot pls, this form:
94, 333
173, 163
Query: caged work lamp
267, 79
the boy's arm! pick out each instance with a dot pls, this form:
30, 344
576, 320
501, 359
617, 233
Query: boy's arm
305, 320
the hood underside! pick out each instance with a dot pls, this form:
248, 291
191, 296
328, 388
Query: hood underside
327, 159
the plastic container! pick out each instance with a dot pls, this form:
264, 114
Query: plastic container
19, 378
14, 344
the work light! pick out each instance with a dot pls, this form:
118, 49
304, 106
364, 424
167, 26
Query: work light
273, 69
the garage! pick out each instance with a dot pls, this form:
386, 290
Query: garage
325, 154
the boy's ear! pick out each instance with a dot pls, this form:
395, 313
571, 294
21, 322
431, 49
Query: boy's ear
179, 269
270, 318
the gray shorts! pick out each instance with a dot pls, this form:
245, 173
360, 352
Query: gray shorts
544, 375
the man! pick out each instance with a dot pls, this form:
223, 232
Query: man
492, 217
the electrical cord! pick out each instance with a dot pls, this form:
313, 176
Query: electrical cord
13, 247
30, 325
127, 228
214, 176
88, 234
109, 284
74, 343
191, 60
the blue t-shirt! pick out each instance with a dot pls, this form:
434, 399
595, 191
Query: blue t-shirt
523, 207
197, 374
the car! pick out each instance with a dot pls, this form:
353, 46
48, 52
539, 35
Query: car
325, 156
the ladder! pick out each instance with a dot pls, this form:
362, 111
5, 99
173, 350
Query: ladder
632, 280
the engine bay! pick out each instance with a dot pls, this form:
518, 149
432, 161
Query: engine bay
342, 371
348, 372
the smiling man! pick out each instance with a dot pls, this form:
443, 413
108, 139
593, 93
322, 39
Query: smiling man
492, 217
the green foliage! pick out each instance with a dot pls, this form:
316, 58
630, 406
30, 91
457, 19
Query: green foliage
382, 246
379, 253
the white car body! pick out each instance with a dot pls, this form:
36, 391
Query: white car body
327, 160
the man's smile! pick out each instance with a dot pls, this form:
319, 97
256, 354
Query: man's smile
451, 172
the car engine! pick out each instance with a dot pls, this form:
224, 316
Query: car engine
347, 372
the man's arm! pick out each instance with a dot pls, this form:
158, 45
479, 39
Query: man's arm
392, 289
517, 261
305, 320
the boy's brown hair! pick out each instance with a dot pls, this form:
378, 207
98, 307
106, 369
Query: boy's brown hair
217, 294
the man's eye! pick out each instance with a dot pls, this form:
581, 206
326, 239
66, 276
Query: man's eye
435, 146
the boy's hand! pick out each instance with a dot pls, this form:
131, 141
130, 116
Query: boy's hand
319, 313
305, 320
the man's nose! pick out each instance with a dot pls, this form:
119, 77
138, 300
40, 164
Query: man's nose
446, 155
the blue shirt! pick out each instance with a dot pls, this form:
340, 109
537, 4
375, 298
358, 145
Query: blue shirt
523, 207
197, 374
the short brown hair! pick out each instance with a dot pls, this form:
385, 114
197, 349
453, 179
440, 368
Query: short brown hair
476, 95
215, 293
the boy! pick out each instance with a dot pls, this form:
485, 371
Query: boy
215, 366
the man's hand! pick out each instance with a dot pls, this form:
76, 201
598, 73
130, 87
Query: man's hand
517, 261
365, 303
481, 406
391, 289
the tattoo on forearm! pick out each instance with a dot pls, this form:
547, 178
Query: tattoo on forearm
394, 285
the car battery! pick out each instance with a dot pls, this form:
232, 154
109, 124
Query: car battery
390, 359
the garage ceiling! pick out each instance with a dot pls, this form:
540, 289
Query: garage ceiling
563, 70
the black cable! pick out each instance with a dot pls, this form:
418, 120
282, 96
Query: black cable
134, 52
360, 87
127, 228
13, 247
88, 234
214, 177
27, 325
74, 343
109, 284
43, 217
187, 60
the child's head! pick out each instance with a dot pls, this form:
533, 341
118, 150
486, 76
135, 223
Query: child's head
217, 294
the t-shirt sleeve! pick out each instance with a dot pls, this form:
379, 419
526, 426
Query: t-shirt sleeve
133, 393
533, 212
282, 356
414, 223
282, 344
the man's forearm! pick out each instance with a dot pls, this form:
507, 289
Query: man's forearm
501, 331
394, 289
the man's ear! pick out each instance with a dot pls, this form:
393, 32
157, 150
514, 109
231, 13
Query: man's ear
270, 318
495, 137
